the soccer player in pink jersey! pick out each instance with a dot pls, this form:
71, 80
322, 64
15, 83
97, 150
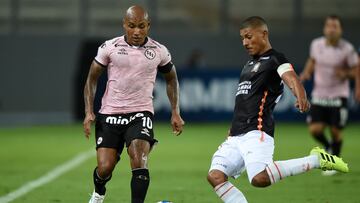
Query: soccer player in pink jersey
126, 114
333, 61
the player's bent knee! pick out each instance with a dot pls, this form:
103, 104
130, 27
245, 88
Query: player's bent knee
138, 153
105, 169
316, 129
260, 180
138, 162
216, 177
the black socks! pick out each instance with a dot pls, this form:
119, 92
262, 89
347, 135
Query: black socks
100, 183
139, 185
320, 137
333, 148
336, 147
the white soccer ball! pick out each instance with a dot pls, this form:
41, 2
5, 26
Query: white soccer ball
164, 201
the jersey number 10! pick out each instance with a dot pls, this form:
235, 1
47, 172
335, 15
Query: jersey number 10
147, 123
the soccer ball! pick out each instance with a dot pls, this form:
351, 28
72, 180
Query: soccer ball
164, 201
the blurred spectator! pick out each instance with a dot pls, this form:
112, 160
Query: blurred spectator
196, 60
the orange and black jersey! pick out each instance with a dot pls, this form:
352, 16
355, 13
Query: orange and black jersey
259, 89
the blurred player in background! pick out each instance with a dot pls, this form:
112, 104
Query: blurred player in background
333, 61
250, 144
357, 78
126, 114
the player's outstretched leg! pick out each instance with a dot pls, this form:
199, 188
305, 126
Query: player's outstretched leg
279, 170
227, 192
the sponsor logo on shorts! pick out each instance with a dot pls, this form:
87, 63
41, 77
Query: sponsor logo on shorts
99, 141
122, 121
145, 131
150, 54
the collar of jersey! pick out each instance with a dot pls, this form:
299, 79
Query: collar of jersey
145, 41
264, 54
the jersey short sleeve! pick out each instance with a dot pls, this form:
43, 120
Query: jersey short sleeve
283, 64
352, 57
165, 56
102, 56
312, 50
281, 59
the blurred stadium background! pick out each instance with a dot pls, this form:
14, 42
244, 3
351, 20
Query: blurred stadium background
47, 47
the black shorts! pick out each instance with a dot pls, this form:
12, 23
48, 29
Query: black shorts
115, 130
332, 112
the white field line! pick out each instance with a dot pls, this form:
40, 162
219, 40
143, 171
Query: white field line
50, 176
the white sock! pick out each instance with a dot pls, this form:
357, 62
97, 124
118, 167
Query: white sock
281, 169
228, 193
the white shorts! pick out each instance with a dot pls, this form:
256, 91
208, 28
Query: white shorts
248, 152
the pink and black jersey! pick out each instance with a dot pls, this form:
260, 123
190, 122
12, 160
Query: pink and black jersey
327, 59
131, 74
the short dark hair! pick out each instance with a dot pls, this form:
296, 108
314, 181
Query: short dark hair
333, 17
253, 21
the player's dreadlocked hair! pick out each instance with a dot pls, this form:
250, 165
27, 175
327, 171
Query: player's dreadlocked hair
253, 21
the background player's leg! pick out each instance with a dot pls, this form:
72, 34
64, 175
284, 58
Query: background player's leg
138, 152
227, 192
338, 121
317, 131
336, 143
106, 159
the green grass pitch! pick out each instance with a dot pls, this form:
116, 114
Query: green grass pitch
178, 166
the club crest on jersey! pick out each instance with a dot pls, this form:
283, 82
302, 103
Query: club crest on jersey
256, 67
150, 54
